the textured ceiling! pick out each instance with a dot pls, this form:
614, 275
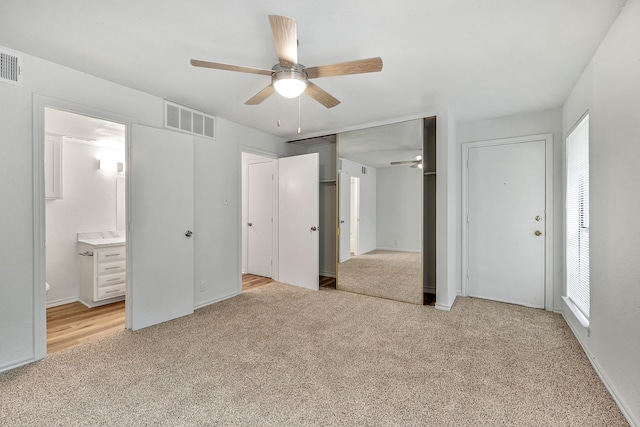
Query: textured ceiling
482, 59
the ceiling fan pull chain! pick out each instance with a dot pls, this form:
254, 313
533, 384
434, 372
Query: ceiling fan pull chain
299, 128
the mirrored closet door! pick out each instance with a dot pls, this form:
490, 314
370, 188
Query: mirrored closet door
380, 210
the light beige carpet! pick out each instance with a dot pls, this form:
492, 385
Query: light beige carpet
385, 274
285, 356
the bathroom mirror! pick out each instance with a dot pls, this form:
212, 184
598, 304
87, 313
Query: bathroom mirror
380, 181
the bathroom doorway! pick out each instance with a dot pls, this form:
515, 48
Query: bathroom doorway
85, 227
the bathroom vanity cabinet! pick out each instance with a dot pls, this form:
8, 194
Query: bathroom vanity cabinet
103, 273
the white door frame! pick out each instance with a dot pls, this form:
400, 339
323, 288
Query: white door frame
40, 102
243, 204
548, 235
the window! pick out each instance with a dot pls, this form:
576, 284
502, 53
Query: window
577, 218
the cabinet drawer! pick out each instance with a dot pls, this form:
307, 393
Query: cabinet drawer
111, 279
111, 268
112, 254
111, 291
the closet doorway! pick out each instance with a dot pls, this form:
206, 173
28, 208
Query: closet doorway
85, 227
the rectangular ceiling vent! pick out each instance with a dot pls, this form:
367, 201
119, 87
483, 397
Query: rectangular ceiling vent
187, 120
10, 67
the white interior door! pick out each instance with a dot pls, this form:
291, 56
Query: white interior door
344, 214
260, 218
506, 209
161, 212
298, 182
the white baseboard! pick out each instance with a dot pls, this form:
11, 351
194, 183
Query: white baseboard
94, 304
624, 408
397, 250
16, 364
445, 307
62, 301
215, 300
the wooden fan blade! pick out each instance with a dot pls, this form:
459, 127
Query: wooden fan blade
261, 96
321, 95
370, 65
285, 37
228, 67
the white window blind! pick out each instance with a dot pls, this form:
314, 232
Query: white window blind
577, 217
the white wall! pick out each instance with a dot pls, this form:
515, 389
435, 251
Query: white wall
610, 90
399, 208
368, 191
88, 204
448, 206
217, 232
217, 173
532, 123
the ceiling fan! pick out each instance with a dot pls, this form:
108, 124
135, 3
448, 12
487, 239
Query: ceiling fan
289, 78
416, 163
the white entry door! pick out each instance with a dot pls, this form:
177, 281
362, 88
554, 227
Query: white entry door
260, 218
298, 182
506, 222
344, 217
161, 213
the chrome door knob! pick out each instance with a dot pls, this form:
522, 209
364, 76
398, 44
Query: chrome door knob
250, 224
314, 228
188, 233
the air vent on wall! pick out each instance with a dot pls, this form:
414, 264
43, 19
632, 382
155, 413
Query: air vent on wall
187, 120
364, 170
10, 67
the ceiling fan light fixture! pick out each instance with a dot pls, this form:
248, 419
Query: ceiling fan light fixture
290, 88
289, 82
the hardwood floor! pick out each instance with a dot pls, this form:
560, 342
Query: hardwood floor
73, 324
251, 281
327, 282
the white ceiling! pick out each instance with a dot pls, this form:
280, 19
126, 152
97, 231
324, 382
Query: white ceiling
87, 130
483, 59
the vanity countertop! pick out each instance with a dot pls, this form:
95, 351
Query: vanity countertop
103, 239
104, 242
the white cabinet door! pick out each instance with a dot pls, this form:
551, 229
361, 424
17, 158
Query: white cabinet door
161, 212
53, 167
299, 220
